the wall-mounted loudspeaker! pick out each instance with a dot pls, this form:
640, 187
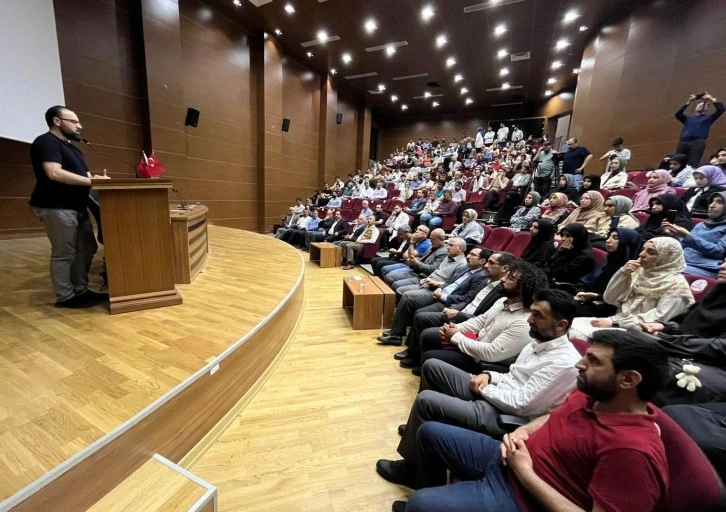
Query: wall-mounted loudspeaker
192, 118
286, 125
339, 118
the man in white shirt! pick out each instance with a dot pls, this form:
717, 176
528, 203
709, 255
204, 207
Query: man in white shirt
379, 193
517, 134
619, 151
458, 194
489, 136
502, 134
397, 220
540, 379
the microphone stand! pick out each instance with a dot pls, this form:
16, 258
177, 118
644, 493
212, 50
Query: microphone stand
87, 143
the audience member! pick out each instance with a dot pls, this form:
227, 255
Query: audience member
615, 176
661, 207
566, 186
296, 237
337, 229
416, 267
589, 213
575, 159
318, 234
352, 247
365, 210
557, 208
708, 180
617, 215
498, 183
590, 183
695, 130
545, 161
397, 219
619, 152
396, 253
573, 259
522, 219
446, 208
469, 229
681, 172
541, 246
658, 184
288, 222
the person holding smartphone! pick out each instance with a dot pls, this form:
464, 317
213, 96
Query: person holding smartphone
692, 141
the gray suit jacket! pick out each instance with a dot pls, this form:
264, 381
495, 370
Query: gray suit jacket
432, 259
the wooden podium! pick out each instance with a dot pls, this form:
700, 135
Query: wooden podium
137, 243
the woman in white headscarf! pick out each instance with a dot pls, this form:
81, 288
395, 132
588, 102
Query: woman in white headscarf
469, 229
649, 289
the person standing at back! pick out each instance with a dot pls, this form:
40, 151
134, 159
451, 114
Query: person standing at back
59, 200
575, 160
692, 141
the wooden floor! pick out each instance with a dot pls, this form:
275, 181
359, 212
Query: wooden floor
69, 377
310, 438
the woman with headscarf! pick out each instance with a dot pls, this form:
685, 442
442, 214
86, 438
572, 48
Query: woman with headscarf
573, 259
704, 247
522, 219
622, 245
589, 214
660, 208
709, 179
681, 172
649, 289
557, 208
617, 215
615, 177
658, 183
541, 246
590, 183
469, 229
566, 185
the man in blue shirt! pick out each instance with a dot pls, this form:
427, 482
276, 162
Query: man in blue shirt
692, 141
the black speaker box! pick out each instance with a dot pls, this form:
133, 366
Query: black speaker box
286, 125
192, 118
339, 118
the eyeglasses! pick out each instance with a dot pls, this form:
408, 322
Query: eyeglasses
511, 277
74, 121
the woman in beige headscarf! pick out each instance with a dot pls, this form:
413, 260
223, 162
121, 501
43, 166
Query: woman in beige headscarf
649, 289
589, 213
469, 229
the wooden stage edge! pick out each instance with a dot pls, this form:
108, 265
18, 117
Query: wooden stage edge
178, 424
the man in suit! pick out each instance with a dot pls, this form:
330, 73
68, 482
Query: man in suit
337, 229
318, 234
436, 315
415, 266
396, 253
288, 222
461, 288
365, 233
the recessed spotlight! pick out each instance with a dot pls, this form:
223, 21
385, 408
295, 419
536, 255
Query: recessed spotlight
381, 87
427, 13
333, 71
562, 44
505, 85
500, 29
309, 54
556, 64
458, 78
504, 72
278, 31
404, 107
464, 90
435, 104
427, 94
548, 93
237, 3
571, 16
469, 101
450, 62
322, 36
502, 53
289, 9
583, 28
441, 41
390, 50
394, 98
551, 80
370, 26
346, 58
576, 71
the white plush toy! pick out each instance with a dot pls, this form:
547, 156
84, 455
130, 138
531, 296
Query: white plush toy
687, 378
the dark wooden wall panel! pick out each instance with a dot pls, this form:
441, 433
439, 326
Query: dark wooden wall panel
345, 138
637, 73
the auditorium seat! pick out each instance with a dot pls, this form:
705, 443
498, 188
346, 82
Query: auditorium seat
519, 243
641, 216
580, 345
627, 192
696, 220
348, 214
700, 286
638, 178
449, 221
599, 255
488, 230
498, 239
680, 191
605, 193
358, 204
347, 204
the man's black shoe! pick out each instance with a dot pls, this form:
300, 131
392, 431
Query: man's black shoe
390, 340
386, 333
398, 506
400, 355
401, 429
409, 362
97, 296
76, 302
397, 472
416, 371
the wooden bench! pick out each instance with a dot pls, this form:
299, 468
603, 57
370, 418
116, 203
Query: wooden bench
369, 301
326, 255
389, 301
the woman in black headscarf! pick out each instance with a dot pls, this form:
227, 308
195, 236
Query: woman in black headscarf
542, 246
659, 208
573, 259
566, 185
590, 183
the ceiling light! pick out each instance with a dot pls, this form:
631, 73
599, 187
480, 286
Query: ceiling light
289, 9
390, 50
435, 104
333, 71
562, 44
576, 71
571, 16
505, 85
404, 107
556, 64
310, 54
441, 41
237, 3
458, 78
370, 26
427, 13
346, 58
502, 53
278, 31
551, 80
583, 28
548, 93
450, 62
500, 29
394, 98
381, 87
504, 72
464, 90
322, 36
469, 101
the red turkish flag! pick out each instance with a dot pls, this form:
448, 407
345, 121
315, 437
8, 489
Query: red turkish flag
150, 167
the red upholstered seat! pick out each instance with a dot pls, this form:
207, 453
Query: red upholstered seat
487, 231
700, 286
638, 178
449, 221
599, 255
627, 192
580, 345
641, 216
519, 243
696, 220
499, 239
605, 192
679, 191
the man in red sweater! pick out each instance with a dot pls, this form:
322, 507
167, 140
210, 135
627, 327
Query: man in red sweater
599, 451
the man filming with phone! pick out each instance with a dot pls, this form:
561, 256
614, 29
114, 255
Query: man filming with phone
695, 130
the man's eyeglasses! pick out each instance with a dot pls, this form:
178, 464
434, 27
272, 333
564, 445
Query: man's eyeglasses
74, 121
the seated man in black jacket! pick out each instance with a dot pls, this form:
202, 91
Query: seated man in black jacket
399, 246
337, 229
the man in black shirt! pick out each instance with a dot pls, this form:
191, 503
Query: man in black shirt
575, 159
59, 200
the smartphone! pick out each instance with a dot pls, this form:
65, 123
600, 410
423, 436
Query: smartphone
670, 216
700, 95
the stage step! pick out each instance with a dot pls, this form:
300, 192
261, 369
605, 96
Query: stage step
160, 485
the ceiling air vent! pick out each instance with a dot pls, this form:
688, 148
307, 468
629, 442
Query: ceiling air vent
519, 56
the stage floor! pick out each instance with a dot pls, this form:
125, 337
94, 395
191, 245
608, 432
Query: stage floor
68, 377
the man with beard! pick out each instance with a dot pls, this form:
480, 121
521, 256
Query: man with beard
540, 378
59, 200
600, 450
